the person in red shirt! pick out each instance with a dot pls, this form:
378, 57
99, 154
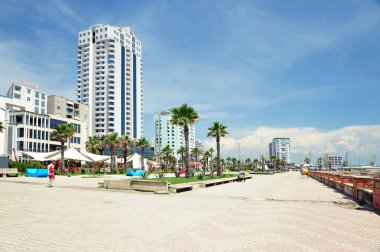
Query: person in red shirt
51, 173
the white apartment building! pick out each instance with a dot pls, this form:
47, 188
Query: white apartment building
29, 94
28, 126
110, 76
6, 106
280, 148
60, 106
166, 133
333, 162
28, 131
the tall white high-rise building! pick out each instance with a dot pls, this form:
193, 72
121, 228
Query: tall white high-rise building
166, 133
110, 73
280, 148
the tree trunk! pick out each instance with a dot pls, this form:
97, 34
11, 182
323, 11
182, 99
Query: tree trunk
182, 161
142, 158
62, 156
218, 155
111, 149
186, 133
125, 151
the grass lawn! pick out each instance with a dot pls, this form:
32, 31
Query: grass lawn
182, 180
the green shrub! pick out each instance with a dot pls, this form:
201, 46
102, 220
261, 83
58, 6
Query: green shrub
35, 164
160, 173
177, 173
145, 175
192, 172
21, 167
83, 170
211, 175
200, 175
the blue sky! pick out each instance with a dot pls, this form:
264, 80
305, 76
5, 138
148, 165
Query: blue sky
301, 69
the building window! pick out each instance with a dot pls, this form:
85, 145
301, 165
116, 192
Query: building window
37, 95
29, 90
28, 98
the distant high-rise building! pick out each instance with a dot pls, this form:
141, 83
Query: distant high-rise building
199, 145
110, 73
166, 133
280, 148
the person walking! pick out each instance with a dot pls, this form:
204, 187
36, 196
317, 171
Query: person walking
51, 173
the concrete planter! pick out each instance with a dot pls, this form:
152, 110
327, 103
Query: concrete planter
120, 184
149, 186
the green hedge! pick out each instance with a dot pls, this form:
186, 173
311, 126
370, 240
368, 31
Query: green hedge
21, 166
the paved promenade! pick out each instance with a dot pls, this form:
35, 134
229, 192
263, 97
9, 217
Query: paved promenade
283, 212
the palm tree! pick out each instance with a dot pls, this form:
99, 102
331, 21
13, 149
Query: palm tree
222, 162
181, 150
248, 163
166, 151
211, 150
171, 160
2, 127
206, 156
185, 116
234, 162
229, 160
125, 142
93, 144
112, 140
217, 130
142, 143
196, 152
62, 133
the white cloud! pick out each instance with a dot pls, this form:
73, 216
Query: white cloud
359, 141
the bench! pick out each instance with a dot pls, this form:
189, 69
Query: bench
8, 171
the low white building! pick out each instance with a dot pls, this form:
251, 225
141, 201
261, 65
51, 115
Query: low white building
28, 131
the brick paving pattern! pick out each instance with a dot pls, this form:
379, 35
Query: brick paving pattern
286, 212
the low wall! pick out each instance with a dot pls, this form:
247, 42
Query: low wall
363, 189
120, 184
149, 186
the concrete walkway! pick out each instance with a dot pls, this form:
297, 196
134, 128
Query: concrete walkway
284, 212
